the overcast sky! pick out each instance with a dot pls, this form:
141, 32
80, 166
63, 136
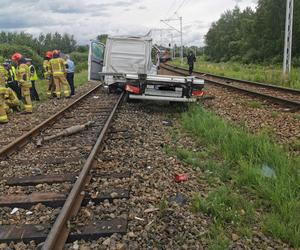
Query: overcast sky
88, 18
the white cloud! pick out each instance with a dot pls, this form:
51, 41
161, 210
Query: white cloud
86, 19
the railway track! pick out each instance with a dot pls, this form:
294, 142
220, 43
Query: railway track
276, 94
45, 184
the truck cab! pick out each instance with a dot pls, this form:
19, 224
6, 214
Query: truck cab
127, 63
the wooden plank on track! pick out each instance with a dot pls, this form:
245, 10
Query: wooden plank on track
57, 199
38, 233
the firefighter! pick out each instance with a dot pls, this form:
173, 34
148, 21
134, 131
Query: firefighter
48, 75
23, 78
3, 93
12, 101
58, 71
33, 77
12, 78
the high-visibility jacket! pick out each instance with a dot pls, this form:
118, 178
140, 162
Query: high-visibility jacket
57, 66
11, 74
46, 67
13, 70
3, 75
33, 75
23, 75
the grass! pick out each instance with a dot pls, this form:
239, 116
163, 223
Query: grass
227, 208
42, 85
254, 104
252, 72
241, 158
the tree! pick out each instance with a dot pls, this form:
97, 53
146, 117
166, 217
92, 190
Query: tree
102, 38
252, 35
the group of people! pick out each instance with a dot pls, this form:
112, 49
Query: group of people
18, 77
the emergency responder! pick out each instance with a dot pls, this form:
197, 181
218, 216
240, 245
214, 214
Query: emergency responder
3, 75
58, 70
33, 77
12, 101
12, 78
48, 75
23, 78
191, 59
70, 66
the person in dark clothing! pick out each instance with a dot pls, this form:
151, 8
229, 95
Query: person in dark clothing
191, 59
33, 77
70, 66
12, 78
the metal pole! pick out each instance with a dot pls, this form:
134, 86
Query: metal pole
172, 46
181, 52
287, 58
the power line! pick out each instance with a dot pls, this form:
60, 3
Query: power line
180, 6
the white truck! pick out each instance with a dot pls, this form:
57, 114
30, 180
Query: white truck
126, 62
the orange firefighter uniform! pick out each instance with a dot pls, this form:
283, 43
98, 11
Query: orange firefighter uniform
58, 71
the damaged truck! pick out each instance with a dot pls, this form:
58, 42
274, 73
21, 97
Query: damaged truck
130, 64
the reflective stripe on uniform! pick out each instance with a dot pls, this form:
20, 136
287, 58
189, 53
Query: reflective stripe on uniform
3, 118
28, 107
57, 67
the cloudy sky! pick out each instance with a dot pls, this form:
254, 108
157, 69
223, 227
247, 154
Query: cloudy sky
88, 18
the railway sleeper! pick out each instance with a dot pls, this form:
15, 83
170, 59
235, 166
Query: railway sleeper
38, 233
51, 179
55, 200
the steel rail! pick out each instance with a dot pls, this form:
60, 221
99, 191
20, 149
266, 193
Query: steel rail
25, 138
267, 85
274, 99
54, 240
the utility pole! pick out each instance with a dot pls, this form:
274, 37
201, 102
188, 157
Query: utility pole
179, 31
287, 58
181, 52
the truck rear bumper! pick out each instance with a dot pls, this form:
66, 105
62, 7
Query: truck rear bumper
162, 98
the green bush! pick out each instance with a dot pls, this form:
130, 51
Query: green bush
6, 51
80, 60
81, 66
79, 57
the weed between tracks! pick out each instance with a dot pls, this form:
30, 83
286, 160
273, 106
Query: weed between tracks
252, 72
243, 165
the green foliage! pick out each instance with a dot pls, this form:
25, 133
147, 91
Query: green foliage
218, 239
225, 206
66, 43
6, 50
80, 59
254, 104
102, 38
247, 154
252, 72
252, 36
